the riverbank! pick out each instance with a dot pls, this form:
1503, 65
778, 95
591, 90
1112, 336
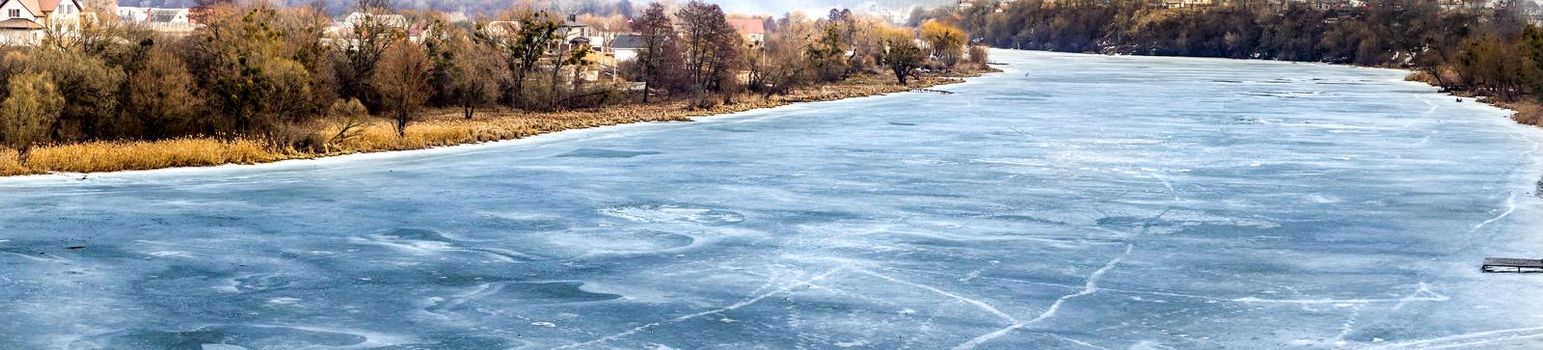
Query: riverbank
435, 129
1525, 110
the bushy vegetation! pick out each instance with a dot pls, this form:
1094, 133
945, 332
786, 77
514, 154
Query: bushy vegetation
279, 77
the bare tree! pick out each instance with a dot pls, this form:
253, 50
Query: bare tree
712, 45
372, 5
659, 46
567, 55
370, 34
402, 80
472, 73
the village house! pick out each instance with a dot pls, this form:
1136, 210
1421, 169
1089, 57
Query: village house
574, 32
1003, 5
1457, 5
1326, 5
499, 28
173, 20
355, 19
345, 25
753, 29
1186, 4
626, 47
26, 22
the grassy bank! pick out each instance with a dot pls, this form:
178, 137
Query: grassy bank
1525, 110
434, 129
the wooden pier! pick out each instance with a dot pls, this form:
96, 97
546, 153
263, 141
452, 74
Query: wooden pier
1513, 265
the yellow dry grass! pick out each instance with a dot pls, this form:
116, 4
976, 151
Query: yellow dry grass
138, 155
1528, 112
1421, 76
437, 128
10, 163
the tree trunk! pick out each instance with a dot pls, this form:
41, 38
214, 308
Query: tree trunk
401, 120
645, 90
557, 70
518, 98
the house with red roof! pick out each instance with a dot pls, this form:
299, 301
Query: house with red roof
25, 22
752, 28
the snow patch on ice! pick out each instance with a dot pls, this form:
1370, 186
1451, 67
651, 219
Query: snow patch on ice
671, 213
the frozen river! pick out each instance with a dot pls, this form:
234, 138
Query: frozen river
1071, 202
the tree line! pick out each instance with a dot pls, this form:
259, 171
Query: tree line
279, 74
1490, 50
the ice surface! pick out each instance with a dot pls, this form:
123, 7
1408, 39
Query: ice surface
1070, 202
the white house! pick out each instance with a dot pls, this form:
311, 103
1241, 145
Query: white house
574, 32
415, 31
159, 19
393, 20
626, 47
753, 29
25, 22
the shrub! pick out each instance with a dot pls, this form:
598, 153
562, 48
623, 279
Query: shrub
26, 115
978, 56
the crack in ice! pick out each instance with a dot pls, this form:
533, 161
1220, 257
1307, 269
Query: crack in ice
1423, 289
1510, 208
1422, 292
730, 307
1075, 341
977, 303
1088, 288
1348, 327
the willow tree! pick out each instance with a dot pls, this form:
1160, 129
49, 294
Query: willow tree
947, 41
27, 114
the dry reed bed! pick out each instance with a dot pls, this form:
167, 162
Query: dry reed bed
441, 128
